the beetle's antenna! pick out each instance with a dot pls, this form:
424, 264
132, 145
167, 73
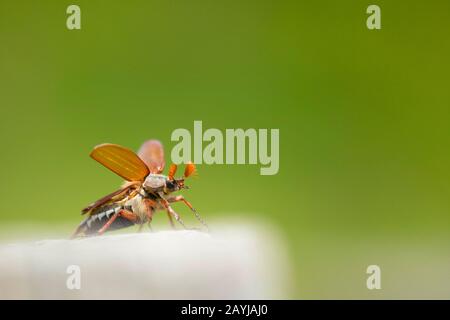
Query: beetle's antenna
172, 171
189, 170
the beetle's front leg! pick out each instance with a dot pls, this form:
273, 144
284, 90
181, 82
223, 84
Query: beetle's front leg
197, 215
172, 212
171, 220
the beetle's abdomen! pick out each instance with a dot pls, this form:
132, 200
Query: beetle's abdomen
92, 224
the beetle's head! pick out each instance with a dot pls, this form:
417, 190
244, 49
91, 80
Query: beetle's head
173, 184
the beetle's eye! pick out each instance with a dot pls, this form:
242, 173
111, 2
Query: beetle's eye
170, 184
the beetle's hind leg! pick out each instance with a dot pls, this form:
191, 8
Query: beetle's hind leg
131, 216
108, 223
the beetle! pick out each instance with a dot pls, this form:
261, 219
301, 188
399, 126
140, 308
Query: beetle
145, 191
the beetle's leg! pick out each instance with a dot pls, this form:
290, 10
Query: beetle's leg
170, 220
149, 204
108, 223
172, 212
131, 216
197, 215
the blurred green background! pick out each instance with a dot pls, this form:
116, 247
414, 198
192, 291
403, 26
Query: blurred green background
363, 116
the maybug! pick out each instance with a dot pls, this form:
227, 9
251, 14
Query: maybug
145, 190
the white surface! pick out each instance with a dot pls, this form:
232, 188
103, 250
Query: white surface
233, 264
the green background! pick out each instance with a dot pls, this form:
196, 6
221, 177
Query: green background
363, 118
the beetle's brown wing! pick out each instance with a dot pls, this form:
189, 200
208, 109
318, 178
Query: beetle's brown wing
121, 161
115, 196
152, 153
